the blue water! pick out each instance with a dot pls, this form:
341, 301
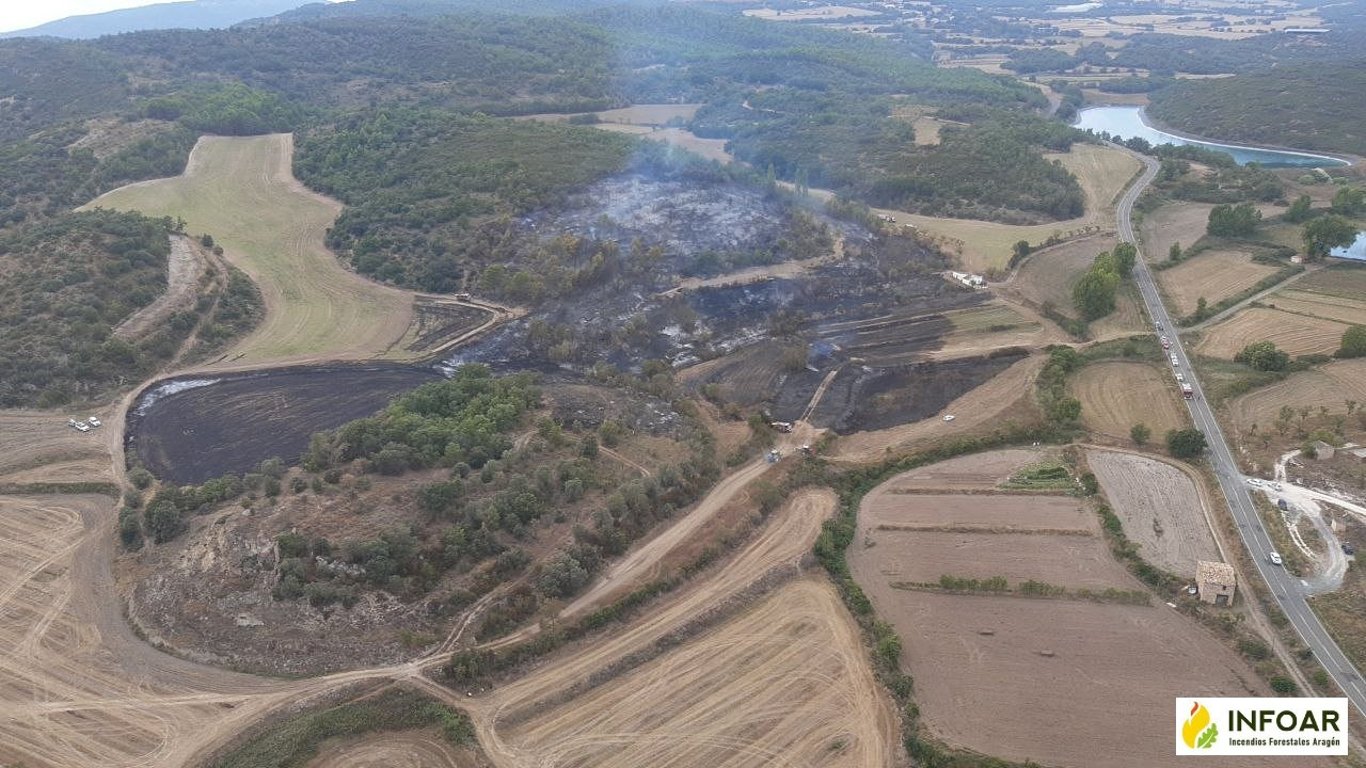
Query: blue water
1127, 122
1357, 250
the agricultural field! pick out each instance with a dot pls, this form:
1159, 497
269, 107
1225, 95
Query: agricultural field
982, 653
985, 246
1296, 334
1211, 275
1329, 294
1008, 397
996, 324
38, 446
408, 749
243, 193
1047, 277
1115, 395
79, 689
1160, 507
1172, 224
1326, 385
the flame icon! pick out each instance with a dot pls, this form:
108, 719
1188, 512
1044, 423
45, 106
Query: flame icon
1198, 732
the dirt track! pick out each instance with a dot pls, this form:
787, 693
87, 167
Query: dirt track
184, 268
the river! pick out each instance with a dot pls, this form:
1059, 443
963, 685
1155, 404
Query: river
1129, 122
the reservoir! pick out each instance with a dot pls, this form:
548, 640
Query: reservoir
1357, 250
1128, 122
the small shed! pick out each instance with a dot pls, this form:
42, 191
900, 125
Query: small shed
1323, 450
1214, 582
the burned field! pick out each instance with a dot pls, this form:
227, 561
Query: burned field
231, 425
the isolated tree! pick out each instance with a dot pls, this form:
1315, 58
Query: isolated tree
1185, 443
1021, 249
1233, 220
1065, 409
1140, 433
1201, 307
1348, 201
1263, 356
1125, 254
1174, 253
1299, 211
1325, 233
1353, 342
1094, 294
1351, 406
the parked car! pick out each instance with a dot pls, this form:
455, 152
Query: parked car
1174, 360
949, 417
1348, 548
1281, 503
94, 422
1274, 557
81, 426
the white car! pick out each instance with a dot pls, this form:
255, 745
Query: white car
1174, 360
1274, 557
1181, 377
94, 422
1254, 481
1276, 486
948, 417
81, 426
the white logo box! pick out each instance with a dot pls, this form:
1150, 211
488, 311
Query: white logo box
1266, 726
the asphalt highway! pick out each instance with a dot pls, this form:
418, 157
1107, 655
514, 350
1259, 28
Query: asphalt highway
1289, 592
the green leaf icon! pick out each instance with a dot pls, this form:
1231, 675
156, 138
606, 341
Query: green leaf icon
1207, 738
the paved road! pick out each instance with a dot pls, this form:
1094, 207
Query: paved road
1288, 591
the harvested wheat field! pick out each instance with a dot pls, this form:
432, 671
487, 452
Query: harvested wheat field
1006, 398
784, 682
1332, 294
1044, 672
984, 246
1296, 334
1176, 223
1128, 318
39, 446
1160, 507
1329, 385
77, 689
1115, 395
242, 192
1214, 276
975, 471
1047, 276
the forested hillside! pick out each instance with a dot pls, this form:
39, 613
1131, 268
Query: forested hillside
1309, 106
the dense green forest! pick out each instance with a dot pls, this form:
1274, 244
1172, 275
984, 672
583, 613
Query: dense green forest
67, 282
990, 169
1317, 107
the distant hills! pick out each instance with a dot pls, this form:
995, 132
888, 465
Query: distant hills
191, 14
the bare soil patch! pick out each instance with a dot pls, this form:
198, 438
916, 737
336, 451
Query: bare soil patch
1173, 223
1332, 294
1212, 275
1296, 334
1069, 560
1115, 395
1160, 507
1045, 673
887, 510
1047, 708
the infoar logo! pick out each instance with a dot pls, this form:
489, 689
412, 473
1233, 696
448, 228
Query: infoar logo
1199, 732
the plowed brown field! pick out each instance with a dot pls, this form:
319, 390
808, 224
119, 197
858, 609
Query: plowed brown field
1160, 507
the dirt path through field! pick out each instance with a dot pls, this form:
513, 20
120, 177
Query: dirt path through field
184, 268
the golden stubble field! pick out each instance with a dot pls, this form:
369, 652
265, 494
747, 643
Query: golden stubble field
1116, 395
243, 192
1045, 673
1213, 276
1296, 334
